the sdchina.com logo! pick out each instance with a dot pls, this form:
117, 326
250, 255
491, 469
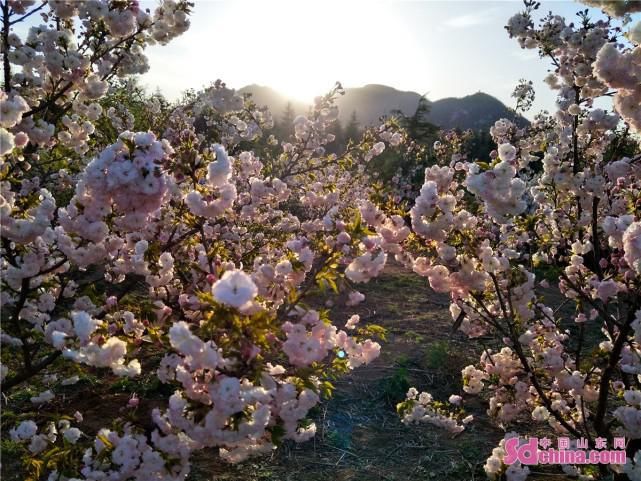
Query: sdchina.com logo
539, 451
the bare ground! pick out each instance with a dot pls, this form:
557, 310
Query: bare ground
359, 435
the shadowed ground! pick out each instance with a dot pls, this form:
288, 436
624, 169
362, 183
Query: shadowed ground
359, 435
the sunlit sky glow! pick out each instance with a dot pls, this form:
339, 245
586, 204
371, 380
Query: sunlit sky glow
300, 48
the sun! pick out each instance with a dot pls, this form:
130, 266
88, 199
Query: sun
299, 48
304, 47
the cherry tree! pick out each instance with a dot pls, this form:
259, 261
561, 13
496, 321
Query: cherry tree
199, 251
555, 208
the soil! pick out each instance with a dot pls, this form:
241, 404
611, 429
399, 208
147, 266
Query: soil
359, 434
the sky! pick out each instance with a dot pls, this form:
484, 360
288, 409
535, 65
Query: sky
300, 48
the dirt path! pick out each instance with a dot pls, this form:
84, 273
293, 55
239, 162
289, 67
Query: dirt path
360, 436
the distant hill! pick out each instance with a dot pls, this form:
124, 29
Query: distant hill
274, 100
476, 111
372, 101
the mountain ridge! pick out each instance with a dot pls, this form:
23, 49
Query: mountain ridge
477, 111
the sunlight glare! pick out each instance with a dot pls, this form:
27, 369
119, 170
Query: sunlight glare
322, 42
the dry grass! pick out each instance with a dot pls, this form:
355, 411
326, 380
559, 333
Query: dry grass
359, 435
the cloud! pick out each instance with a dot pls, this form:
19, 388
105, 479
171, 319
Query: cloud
471, 19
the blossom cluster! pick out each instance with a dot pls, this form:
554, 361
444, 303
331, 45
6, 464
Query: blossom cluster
190, 252
554, 211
